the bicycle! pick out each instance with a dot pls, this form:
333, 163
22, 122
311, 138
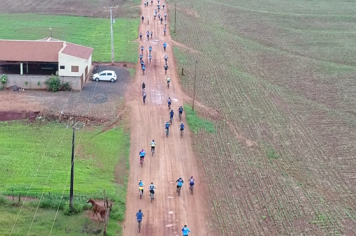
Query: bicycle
140, 189
139, 226
141, 161
171, 120
178, 190
152, 197
168, 84
181, 133
167, 132
169, 106
152, 150
144, 100
191, 189
180, 116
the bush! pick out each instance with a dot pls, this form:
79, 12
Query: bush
117, 213
54, 84
3, 200
77, 208
3, 79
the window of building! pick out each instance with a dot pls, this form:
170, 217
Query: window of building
75, 68
62, 67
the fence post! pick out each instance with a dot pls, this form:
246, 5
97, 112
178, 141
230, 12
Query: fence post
182, 71
19, 197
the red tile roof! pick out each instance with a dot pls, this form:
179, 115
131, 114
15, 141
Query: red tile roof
76, 50
44, 50
27, 50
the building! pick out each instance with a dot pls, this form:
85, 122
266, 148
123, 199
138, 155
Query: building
29, 63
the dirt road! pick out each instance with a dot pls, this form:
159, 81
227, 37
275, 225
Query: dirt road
174, 156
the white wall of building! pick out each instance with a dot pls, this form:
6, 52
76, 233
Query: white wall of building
69, 61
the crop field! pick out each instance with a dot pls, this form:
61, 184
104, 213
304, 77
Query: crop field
280, 74
35, 162
91, 32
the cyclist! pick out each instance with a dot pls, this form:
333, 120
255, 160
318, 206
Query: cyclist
148, 35
165, 16
171, 114
159, 7
155, 16
180, 110
152, 189
143, 69
140, 186
167, 126
140, 36
164, 46
142, 18
191, 181
159, 16
143, 85
151, 2
142, 155
164, 31
151, 34
150, 47
163, 6
141, 56
153, 145
179, 183
148, 19
142, 49
185, 230
181, 127
139, 216
166, 58
161, 20
165, 68
169, 101
150, 57
144, 97
168, 81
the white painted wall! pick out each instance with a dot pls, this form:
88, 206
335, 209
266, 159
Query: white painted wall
69, 61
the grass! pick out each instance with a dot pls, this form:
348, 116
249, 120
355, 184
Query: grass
91, 32
196, 123
36, 161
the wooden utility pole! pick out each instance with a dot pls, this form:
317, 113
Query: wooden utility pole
72, 174
195, 78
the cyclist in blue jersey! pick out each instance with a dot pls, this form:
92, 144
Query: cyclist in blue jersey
149, 48
142, 155
164, 46
140, 36
181, 126
140, 186
142, 49
167, 127
151, 34
179, 183
150, 57
171, 114
185, 230
139, 216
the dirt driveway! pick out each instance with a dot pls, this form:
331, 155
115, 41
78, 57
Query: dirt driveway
97, 99
174, 156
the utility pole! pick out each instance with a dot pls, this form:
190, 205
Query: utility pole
71, 194
195, 78
72, 174
112, 38
175, 17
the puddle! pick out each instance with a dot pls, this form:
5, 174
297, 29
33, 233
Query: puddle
157, 97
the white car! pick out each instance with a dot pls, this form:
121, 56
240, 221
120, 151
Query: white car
106, 75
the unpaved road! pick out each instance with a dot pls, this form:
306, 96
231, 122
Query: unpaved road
174, 155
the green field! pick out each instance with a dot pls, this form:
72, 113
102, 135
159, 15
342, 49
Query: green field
36, 162
91, 32
280, 75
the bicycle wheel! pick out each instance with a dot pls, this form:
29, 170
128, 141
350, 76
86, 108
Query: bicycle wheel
152, 196
139, 227
179, 191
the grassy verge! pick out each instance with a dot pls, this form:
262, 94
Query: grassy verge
91, 32
36, 162
196, 123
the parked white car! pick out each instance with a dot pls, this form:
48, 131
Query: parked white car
106, 75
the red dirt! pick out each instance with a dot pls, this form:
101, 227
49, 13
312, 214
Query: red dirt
174, 156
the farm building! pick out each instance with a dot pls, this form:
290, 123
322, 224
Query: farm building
29, 63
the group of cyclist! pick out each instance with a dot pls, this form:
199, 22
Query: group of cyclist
142, 153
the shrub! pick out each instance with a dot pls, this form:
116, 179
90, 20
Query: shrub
3, 79
54, 84
3, 200
117, 213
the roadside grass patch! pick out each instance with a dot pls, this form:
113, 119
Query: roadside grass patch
91, 32
196, 123
36, 163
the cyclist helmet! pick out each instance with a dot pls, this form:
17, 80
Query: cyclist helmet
153, 140
191, 176
139, 210
142, 150
151, 182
